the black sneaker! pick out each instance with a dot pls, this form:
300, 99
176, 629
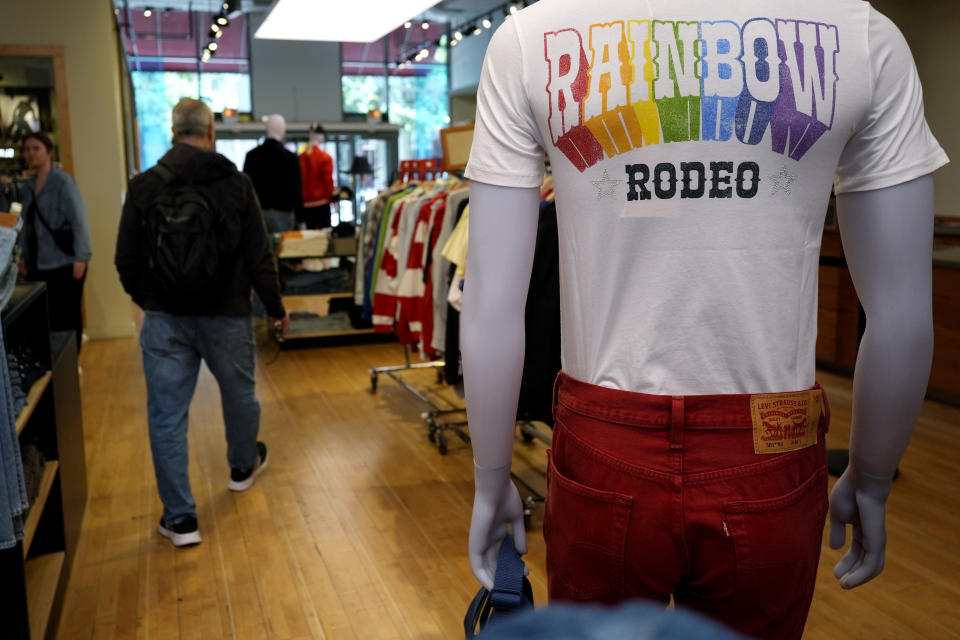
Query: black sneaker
243, 479
182, 534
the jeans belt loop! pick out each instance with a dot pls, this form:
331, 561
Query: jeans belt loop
676, 423
556, 395
825, 403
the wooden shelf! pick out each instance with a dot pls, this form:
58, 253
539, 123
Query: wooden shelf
33, 518
32, 398
43, 577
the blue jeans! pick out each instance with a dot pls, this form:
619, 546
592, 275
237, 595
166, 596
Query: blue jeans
173, 346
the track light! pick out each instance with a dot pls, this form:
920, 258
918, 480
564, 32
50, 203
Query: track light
454, 42
487, 23
458, 35
226, 6
214, 27
205, 57
212, 46
218, 35
222, 21
147, 12
425, 25
407, 24
513, 9
477, 31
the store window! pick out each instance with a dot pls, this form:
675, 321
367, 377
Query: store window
167, 57
414, 96
158, 91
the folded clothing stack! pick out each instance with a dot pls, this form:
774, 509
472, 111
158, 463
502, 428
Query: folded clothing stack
25, 369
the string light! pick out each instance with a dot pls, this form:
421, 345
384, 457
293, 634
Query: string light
223, 21
407, 24
477, 31
487, 23
425, 25
147, 12
212, 46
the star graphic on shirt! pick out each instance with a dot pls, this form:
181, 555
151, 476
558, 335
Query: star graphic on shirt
606, 188
782, 181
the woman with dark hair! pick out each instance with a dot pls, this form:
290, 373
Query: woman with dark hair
55, 239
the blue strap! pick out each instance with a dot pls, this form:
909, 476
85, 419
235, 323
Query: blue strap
508, 589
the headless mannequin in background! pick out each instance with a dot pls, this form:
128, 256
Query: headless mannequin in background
887, 235
275, 173
316, 168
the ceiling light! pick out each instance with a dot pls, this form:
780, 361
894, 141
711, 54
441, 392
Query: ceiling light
477, 31
407, 24
425, 25
214, 27
147, 12
212, 46
458, 35
206, 55
513, 9
424, 52
226, 6
218, 34
454, 42
486, 23
338, 21
222, 21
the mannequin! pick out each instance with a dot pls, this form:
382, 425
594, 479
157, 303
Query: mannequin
316, 167
889, 255
689, 302
276, 177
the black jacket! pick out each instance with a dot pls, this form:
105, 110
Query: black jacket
224, 186
276, 176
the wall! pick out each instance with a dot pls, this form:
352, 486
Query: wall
300, 80
930, 28
466, 60
85, 29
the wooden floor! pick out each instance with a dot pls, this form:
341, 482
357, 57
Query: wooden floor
359, 527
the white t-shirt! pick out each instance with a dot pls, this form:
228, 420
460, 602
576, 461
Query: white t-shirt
693, 145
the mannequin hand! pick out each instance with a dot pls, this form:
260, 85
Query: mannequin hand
860, 500
496, 503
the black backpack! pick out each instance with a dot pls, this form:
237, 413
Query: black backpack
183, 237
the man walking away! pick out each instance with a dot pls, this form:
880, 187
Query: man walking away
191, 243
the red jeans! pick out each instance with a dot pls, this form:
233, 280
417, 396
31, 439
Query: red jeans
652, 496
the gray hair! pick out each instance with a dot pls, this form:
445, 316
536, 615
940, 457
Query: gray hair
191, 118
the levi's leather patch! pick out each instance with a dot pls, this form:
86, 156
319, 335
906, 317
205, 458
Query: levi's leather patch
785, 421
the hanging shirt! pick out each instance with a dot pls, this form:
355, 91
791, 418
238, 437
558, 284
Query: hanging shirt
316, 170
694, 145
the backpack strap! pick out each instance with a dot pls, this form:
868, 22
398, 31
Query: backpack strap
164, 173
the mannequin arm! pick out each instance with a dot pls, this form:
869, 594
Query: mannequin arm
887, 239
503, 235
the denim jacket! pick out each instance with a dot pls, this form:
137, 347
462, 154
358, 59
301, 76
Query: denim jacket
62, 207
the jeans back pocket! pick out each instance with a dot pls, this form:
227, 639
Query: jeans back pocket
585, 531
777, 545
